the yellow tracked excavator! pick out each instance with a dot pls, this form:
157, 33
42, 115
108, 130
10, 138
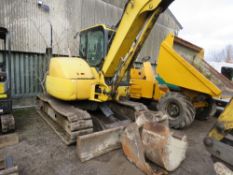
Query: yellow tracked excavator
84, 93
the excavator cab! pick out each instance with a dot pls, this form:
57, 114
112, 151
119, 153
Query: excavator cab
7, 119
94, 44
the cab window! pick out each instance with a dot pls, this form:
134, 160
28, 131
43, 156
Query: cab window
95, 47
83, 45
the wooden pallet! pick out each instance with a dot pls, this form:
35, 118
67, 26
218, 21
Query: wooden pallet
8, 140
7, 166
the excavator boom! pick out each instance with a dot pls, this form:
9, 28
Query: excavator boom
136, 23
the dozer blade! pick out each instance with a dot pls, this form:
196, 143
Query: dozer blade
156, 143
98, 143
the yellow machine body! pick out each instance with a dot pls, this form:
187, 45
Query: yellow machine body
144, 85
67, 82
226, 120
174, 69
3, 90
219, 139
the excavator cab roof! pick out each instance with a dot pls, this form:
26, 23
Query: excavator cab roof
104, 26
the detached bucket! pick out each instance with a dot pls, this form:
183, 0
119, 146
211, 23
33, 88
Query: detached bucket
162, 147
156, 143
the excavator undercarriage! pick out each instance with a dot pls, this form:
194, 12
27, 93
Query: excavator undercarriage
66, 120
72, 119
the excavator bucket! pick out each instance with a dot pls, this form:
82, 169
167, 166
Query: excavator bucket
155, 142
96, 144
162, 146
149, 137
133, 149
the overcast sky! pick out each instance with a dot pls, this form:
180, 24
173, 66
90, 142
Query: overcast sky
207, 23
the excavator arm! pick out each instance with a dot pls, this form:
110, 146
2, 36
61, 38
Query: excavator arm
137, 21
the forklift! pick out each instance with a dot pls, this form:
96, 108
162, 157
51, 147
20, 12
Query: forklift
7, 122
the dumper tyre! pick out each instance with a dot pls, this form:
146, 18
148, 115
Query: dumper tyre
179, 108
207, 112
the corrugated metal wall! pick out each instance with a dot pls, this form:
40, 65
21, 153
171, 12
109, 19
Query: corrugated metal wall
27, 73
30, 25
117, 3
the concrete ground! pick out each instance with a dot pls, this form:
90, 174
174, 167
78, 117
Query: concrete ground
41, 152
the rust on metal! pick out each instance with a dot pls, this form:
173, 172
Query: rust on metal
134, 150
187, 44
155, 127
161, 147
151, 116
154, 137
